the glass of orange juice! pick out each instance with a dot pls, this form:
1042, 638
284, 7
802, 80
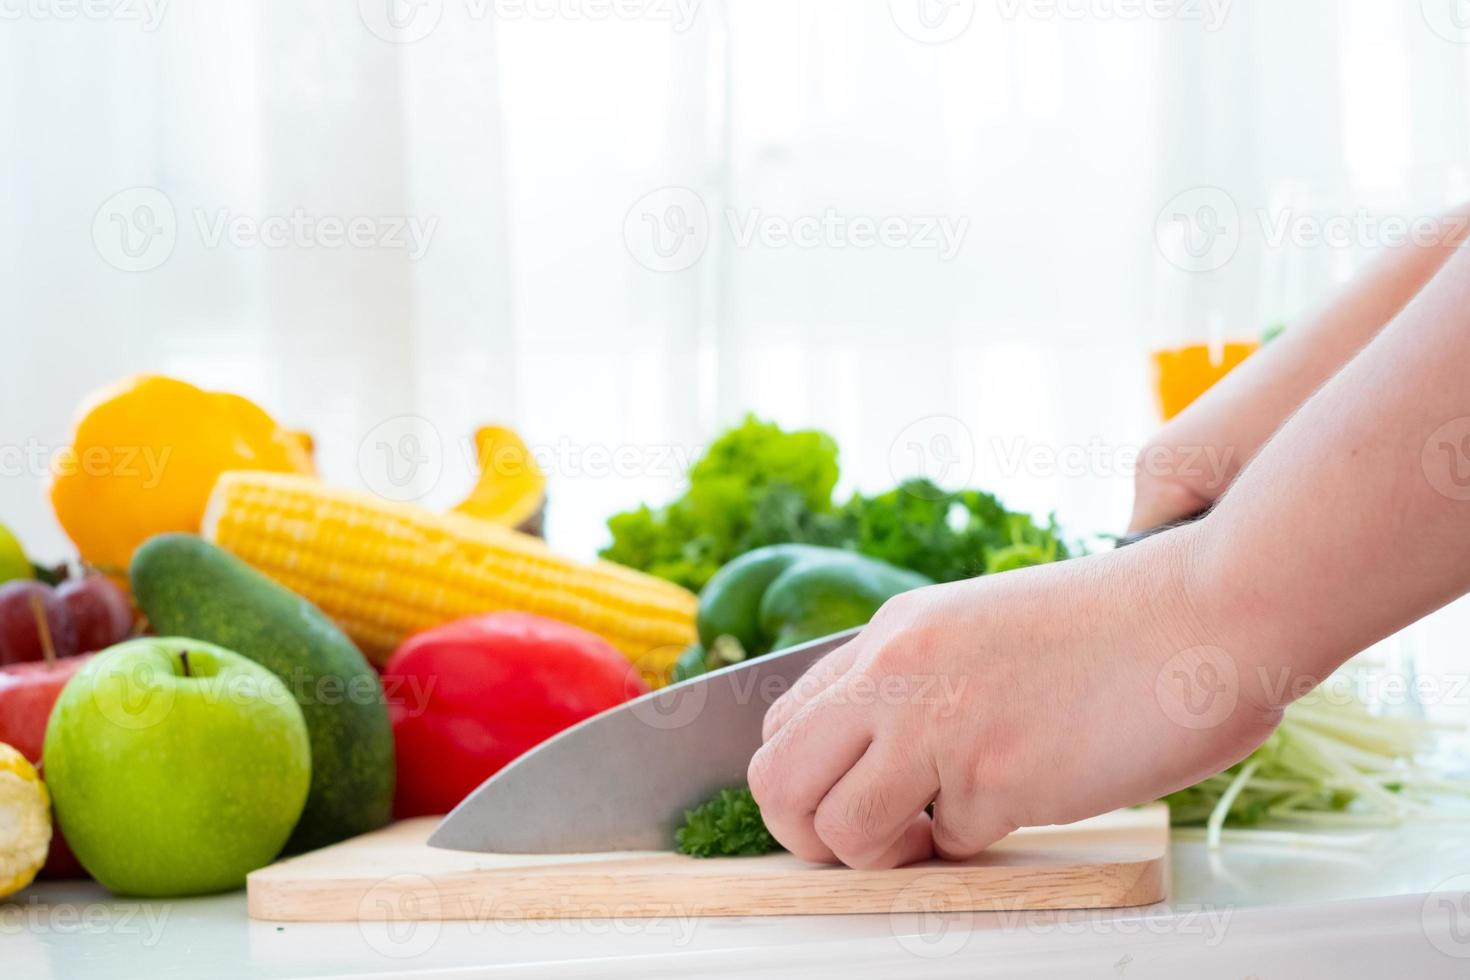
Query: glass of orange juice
1183, 373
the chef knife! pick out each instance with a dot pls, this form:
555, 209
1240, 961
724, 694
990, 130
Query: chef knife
621, 780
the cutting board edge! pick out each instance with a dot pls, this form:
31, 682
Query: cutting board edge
410, 897
326, 887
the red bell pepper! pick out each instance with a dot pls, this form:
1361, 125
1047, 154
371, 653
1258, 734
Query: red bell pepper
467, 697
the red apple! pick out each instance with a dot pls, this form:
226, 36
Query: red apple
20, 633
27, 693
99, 611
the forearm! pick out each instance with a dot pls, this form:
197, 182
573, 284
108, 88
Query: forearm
1347, 526
1236, 417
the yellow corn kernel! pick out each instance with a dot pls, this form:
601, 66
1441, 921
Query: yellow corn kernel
384, 570
25, 821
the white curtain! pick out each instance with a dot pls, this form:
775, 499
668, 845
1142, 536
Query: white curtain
930, 228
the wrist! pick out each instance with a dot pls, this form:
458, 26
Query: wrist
1212, 665
1260, 637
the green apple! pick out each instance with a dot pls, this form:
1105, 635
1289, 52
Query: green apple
13, 560
175, 767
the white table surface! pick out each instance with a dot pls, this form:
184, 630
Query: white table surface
1356, 905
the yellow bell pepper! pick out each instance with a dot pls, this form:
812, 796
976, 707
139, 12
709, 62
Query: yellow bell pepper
25, 821
144, 456
511, 491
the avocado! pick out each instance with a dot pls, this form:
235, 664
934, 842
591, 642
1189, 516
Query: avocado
189, 587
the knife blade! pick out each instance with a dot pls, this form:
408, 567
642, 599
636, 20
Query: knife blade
622, 779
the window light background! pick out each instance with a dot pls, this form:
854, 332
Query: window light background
530, 133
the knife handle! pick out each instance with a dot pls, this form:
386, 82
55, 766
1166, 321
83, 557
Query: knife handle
1124, 540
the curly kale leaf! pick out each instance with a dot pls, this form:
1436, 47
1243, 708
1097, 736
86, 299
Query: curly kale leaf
750, 484
947, 535
758, 485
727, 825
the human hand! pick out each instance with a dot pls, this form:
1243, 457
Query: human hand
1196, 456
1026, 698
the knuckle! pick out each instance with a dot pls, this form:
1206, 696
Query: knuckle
898, 613
894, 657
963, 836
775, 718
945, 838
850, 828
966, 781
766, 785
987, 770
907, 631
951, 842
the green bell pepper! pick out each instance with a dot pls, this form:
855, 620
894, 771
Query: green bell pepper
784, 594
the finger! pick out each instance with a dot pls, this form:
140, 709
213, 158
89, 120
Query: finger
790, 774
820, 676
963, 827
916, 844
867, 819
1164, 501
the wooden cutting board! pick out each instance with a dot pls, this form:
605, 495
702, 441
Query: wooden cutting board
1115, 860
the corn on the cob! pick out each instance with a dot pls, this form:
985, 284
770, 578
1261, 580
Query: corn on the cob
383, 570
25, 821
